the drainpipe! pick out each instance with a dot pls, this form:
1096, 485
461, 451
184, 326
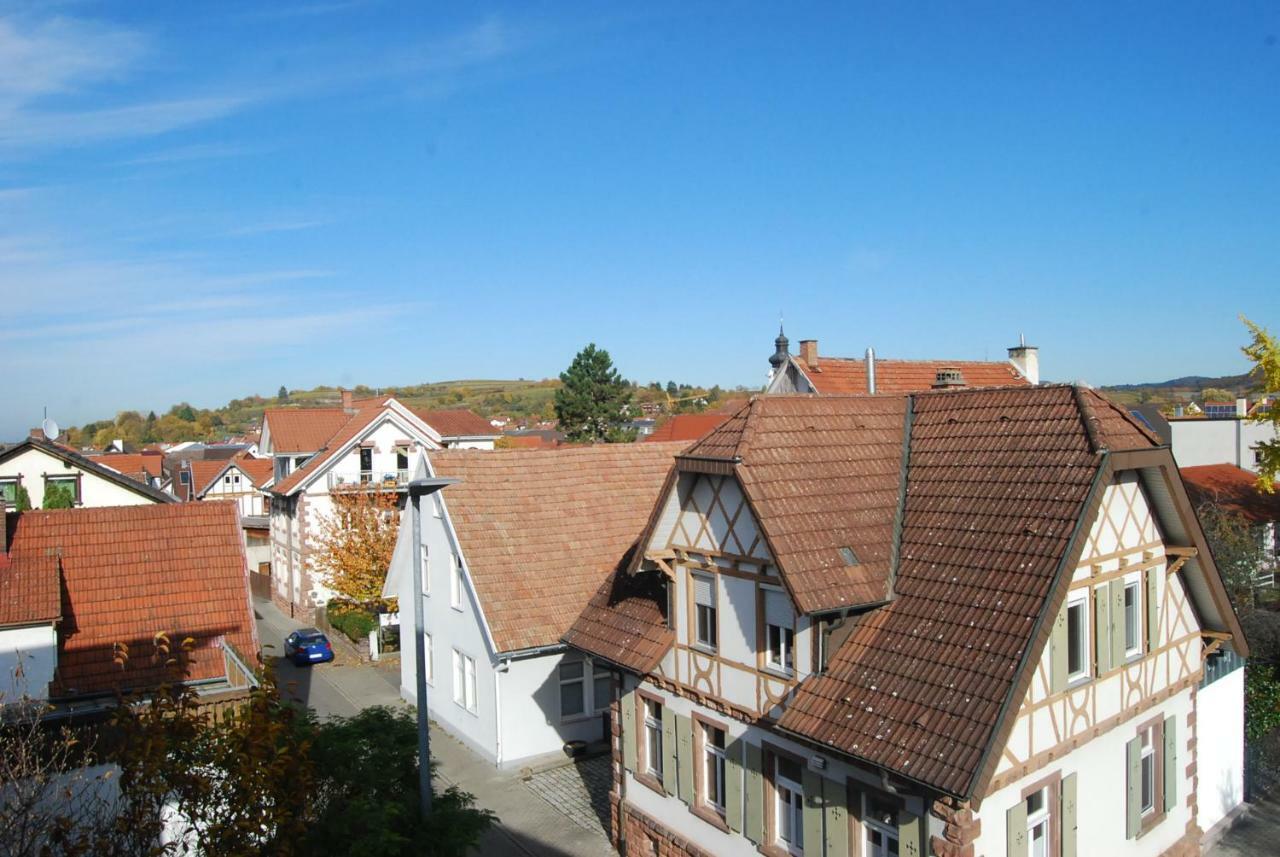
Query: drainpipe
501, 668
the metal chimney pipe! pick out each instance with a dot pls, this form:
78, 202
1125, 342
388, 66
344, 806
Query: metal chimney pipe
871, 370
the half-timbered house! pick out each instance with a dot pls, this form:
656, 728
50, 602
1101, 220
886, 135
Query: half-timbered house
958, 622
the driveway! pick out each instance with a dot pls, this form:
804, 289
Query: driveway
1258, 832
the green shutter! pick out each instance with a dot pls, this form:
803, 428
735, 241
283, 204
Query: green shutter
812, 808
1015, 823
911, 835
1102, 630
1058, 653
668, 750
1153, 609
836, 821
1133, 809
1069, 816
733, 785
1170, 762
753, 822
684, 757
1117, 622
630, 736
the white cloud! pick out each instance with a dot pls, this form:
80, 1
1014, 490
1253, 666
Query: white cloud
59, 55
275, 226
77, 128
195, 152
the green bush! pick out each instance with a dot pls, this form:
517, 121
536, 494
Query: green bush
352, 620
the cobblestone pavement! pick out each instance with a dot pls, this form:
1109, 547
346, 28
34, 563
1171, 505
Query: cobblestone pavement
580, 791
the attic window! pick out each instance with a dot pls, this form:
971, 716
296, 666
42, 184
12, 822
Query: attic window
850, 558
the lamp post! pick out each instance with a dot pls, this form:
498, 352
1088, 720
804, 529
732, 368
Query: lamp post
419, 488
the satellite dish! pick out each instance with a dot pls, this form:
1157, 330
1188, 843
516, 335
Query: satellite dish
50, 428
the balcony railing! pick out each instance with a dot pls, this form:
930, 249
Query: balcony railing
369, 479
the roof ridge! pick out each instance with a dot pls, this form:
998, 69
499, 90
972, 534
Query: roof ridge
1127, 415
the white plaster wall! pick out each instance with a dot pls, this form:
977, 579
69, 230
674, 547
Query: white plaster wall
1197, 442
470, 444
250, 500
34, 650
529, 694
1101, 770
1220, 747
32, 465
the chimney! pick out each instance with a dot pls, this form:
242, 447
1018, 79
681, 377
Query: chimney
1242, 407
871, 370
948, 376
1026, 359
346, 401
809, 352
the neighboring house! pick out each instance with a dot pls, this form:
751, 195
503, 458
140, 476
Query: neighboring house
145, 467
1234, 489
958, 622
1229, 438
511, 554
90, 585
809, 373
36, 462
180, 455
686, 427
244, 481
365, 445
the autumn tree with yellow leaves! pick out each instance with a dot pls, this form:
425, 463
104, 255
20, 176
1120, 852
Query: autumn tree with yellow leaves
1264, 351
356, 541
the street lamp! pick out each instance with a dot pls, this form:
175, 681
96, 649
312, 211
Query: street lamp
419, 488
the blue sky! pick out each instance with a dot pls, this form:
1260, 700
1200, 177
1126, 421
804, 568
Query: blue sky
204, 201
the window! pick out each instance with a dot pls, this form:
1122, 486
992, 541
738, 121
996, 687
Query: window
402, 458
779, 634
1132, 617
428, 654
1148, 800
426, 569
781, 647
436, 507
65, 483
704, 596
653, 738
601, 687
788, 820
282, 463
1078, 637
9, 492
881, 826
1038, 823
573, 688
464, 681
713, 767
455, 582
184, 476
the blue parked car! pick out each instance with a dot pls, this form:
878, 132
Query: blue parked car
307, 646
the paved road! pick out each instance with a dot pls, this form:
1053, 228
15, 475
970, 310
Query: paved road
1258, 832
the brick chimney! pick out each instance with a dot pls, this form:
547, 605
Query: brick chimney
948, 376
809, 352
347, 401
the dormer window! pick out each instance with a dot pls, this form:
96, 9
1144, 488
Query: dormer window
704, 599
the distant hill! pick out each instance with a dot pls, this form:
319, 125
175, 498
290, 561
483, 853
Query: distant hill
1179, 389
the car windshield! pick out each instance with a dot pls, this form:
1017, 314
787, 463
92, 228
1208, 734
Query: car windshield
312, 637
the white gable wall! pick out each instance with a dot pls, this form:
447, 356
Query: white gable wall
32, 465
1220, 749
28, 657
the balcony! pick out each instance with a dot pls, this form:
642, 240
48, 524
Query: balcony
368, 479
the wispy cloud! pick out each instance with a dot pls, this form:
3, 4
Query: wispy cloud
76, 128
59, 55
194, 152
276, 226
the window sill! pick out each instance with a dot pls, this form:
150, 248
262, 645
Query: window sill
576, 718
710, 816
703, 648
1078, 681
775, 850
651, 782
1150, 822
779, 672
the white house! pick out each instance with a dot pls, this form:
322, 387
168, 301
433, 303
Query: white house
36, 463
1225, 439
510, 556
810, 373
957, 622
244, 481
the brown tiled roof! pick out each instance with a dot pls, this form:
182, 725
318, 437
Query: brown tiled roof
204, 472
528, 441
686, 427
541, 529
135, 465
1118, 428
457, 423
129, 572
997, 481
847, 375
1233, 489
303, 429
29, 591
260, 470
823, 475
625, 622
356, 423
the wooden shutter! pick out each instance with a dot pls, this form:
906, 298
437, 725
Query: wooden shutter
1102, 630
836, 821
753, 815
1015, 822
1133, 802
684, 757
1153, 608
854, 799
733, 785
911, 834
668, 750
1058, 653
1170, 762
630, 736
1116, 588
812, 783
1069, 823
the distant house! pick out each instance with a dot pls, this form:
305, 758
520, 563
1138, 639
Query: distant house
686, 427
79, 588
36, 463
510, 555
1225, 436
244, 481
364, 445
146, 467
810, 373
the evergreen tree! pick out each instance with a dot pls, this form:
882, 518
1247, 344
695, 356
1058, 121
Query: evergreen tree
283, 394
58, 497
593, 401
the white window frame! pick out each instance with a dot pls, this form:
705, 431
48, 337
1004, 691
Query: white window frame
426, 568
872, 825
1133, 582
1080, 600
455, 582
464, 681
581, 680
713, 769
781, 658
428, 655
788, 811
16, 482
711, 611
1147, 766
1040, 819
652, 737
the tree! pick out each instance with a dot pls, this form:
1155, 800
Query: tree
356, 540
1264, 351
282, 395
1238, 552
1217, 394
57, 496
22, 499
593, 401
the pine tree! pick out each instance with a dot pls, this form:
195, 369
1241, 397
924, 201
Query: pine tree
593, 401
1264, 351
282, 395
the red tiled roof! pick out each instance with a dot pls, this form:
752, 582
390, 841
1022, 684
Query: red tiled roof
260, 470
847, 375
541, 529
457, 423
204, 472
130, 572
686, 427
133, 464
303, 429
625, 622
528, 441
356, 423
1233, 489
29, 589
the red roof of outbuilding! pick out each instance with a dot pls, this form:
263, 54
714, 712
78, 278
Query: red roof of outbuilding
1232, 488
457, 423
848, 375
686, 427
